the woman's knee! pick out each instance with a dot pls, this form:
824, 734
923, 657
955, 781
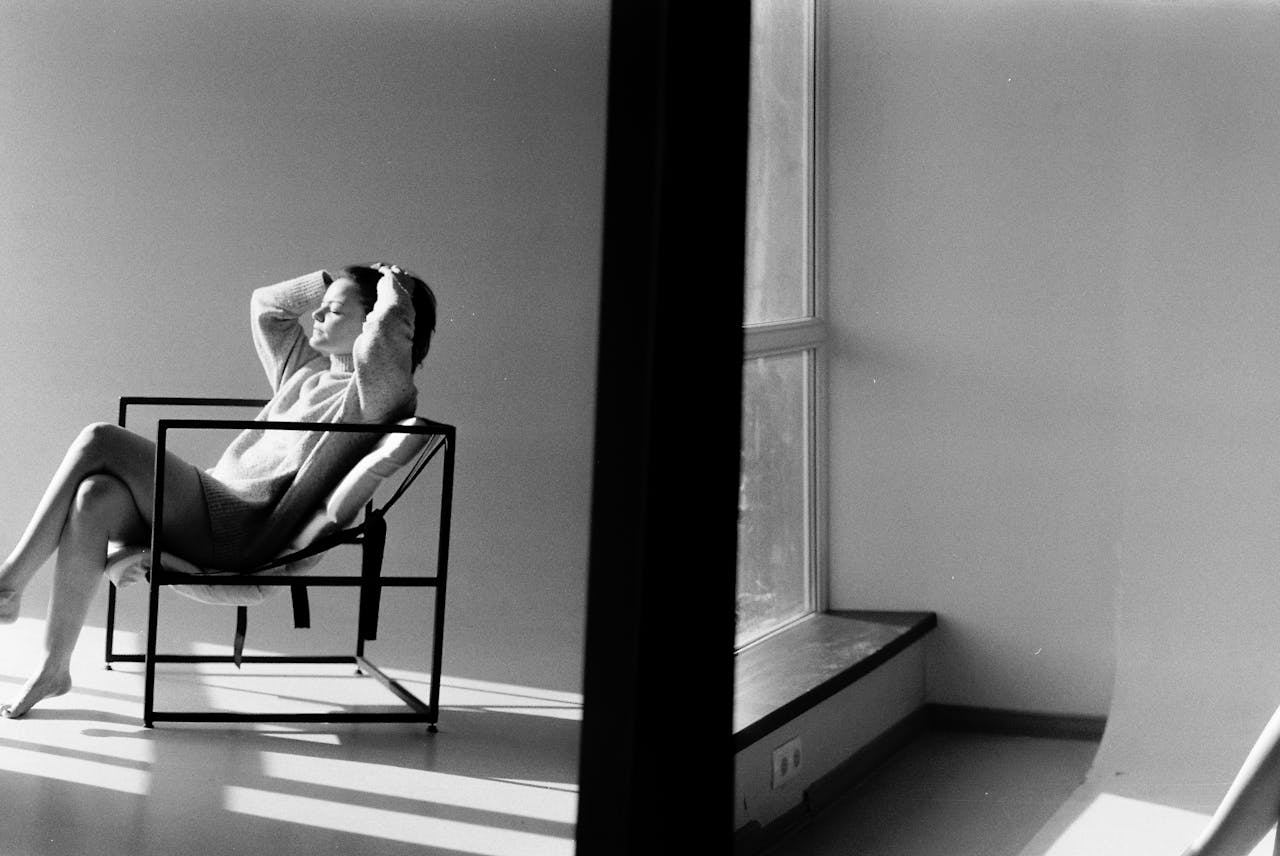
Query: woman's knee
103, 499
95, 439
110, 448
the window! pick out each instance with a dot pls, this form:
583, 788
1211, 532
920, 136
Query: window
779, 531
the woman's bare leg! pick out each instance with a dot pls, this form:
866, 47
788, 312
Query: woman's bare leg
105, 449
102, 508
1252, 803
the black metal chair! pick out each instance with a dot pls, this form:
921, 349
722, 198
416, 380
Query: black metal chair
409, 446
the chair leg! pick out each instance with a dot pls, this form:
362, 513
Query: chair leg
375, 539
242, 626
301, 607
442, 588
111, 622
149, 682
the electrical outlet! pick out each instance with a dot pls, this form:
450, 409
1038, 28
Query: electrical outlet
786, 762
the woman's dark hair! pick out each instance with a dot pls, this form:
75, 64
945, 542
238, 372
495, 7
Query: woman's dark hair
424, 304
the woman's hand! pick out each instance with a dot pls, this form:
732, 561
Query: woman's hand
391, 318
392, 271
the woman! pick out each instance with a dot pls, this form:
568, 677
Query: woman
372, 328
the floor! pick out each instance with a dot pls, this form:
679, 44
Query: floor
956, 794
80, 774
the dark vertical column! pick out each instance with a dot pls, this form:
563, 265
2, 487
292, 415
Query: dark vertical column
657, 755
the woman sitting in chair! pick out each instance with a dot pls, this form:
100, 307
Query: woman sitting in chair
372, 328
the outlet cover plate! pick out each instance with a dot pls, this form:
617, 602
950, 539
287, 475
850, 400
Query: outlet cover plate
786, 762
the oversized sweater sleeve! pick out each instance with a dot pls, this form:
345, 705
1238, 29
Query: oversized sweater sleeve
383, 356
277, 334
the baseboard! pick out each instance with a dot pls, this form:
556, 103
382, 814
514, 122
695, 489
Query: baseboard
985, 720
752, 838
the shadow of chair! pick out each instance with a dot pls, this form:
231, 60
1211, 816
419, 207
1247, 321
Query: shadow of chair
348, 517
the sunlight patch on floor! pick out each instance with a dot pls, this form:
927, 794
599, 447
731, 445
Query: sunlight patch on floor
1109, 824
553, 786
426, 786
507, 698
486, 784
394, 825
78, 771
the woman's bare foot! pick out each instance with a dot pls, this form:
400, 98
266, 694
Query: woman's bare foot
10, 605
47, 683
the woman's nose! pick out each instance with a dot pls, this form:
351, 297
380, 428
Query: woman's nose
318, 315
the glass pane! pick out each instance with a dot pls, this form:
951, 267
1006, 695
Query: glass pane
773, 495
778, 163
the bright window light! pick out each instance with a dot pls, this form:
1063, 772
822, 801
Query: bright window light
775, 568
780, 532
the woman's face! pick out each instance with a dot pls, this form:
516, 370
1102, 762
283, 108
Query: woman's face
339, 319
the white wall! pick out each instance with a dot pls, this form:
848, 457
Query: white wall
161, 159
1053, 264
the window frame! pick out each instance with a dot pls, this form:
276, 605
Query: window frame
808, 334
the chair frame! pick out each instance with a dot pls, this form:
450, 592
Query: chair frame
419, 711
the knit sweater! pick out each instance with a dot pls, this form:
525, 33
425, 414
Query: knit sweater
267, 482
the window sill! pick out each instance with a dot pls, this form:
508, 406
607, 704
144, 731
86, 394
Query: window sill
797, 669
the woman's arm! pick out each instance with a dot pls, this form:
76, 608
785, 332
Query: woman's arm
383, 354
278, 336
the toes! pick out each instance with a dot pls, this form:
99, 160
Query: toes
36, 691
13, 710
